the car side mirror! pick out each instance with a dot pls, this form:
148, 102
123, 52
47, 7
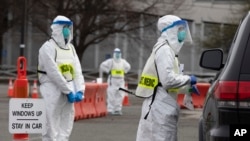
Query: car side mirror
212, 59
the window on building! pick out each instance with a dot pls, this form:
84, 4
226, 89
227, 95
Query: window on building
211, 28
218, 35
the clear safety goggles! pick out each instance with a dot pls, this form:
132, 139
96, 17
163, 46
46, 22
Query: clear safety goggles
181, 25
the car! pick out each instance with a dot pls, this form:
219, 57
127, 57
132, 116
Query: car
227, 101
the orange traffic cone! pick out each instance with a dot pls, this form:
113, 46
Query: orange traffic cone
10, 88
125, 98
34, 93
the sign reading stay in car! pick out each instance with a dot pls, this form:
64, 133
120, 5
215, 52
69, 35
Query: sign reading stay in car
26, 115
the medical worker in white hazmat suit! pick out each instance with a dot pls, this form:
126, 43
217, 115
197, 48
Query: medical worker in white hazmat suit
160, 110
116, 67
62, 82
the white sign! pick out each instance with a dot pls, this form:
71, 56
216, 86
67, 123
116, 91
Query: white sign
26, 115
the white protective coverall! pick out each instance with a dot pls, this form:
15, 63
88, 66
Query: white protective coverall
161, 121
115, 81
54, 87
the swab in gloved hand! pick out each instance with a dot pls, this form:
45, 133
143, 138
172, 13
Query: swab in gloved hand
195, 90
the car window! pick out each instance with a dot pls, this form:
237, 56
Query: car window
246, 60
232, 45
227, 58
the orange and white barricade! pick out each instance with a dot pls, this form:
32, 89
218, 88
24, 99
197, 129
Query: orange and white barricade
88, 103
100, 103
198, 100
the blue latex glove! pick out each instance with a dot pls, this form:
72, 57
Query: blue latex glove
192, 80
79, 96
71, 97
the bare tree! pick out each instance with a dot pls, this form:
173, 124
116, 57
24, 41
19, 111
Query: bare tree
12, 15
7, 18
94, 20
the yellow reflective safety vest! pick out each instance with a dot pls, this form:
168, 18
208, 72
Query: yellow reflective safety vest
149, 79
117, 69
64, 61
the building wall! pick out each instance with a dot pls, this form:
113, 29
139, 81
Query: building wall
223, 11
198, 13
136, 50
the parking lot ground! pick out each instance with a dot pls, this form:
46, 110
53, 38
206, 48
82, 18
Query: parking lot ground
108, 128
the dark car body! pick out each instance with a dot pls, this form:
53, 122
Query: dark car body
228, 98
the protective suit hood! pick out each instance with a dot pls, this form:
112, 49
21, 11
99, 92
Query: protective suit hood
170, 26
59, 23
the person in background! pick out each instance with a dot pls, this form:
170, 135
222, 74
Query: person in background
116, 67
61, 79
160, 110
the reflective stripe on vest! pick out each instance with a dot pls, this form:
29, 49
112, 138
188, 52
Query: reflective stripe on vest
116, 72
147, 81
149, 78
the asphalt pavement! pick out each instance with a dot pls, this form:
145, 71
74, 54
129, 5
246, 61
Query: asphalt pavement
107, 128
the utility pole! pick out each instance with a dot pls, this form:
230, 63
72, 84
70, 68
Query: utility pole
22, 45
